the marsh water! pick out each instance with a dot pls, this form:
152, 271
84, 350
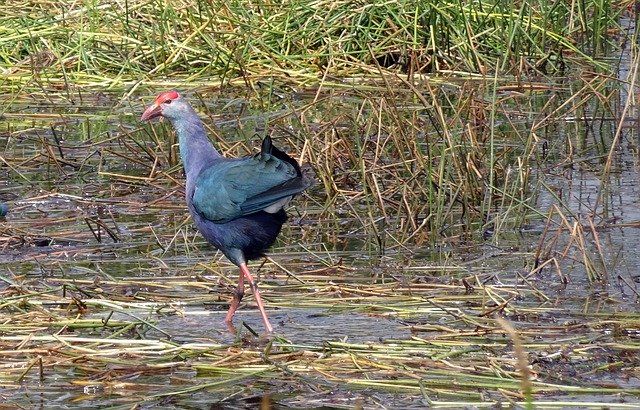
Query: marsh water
111, 299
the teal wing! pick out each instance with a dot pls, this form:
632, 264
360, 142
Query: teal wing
232, 188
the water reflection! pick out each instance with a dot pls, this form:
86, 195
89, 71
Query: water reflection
97, 232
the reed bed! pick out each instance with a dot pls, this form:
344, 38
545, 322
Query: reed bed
466, 243
110, 341
115, 290
115, 45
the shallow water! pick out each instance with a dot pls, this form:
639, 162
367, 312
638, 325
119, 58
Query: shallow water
96, 232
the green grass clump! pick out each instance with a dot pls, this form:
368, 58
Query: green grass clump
115, 43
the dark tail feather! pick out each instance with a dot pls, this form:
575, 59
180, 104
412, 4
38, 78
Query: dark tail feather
306, 174
269, 148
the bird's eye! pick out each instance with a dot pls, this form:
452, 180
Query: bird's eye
168, 102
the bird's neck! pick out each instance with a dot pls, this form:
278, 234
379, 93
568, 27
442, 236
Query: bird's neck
196, 150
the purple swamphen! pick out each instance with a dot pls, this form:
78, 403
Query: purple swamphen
236, 203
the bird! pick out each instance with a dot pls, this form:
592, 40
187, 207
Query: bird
237, 204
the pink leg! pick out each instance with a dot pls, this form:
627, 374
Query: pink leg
237, 297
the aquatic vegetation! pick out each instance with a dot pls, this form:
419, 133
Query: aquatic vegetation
470, 240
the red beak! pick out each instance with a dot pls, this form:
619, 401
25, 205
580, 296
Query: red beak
152, 112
